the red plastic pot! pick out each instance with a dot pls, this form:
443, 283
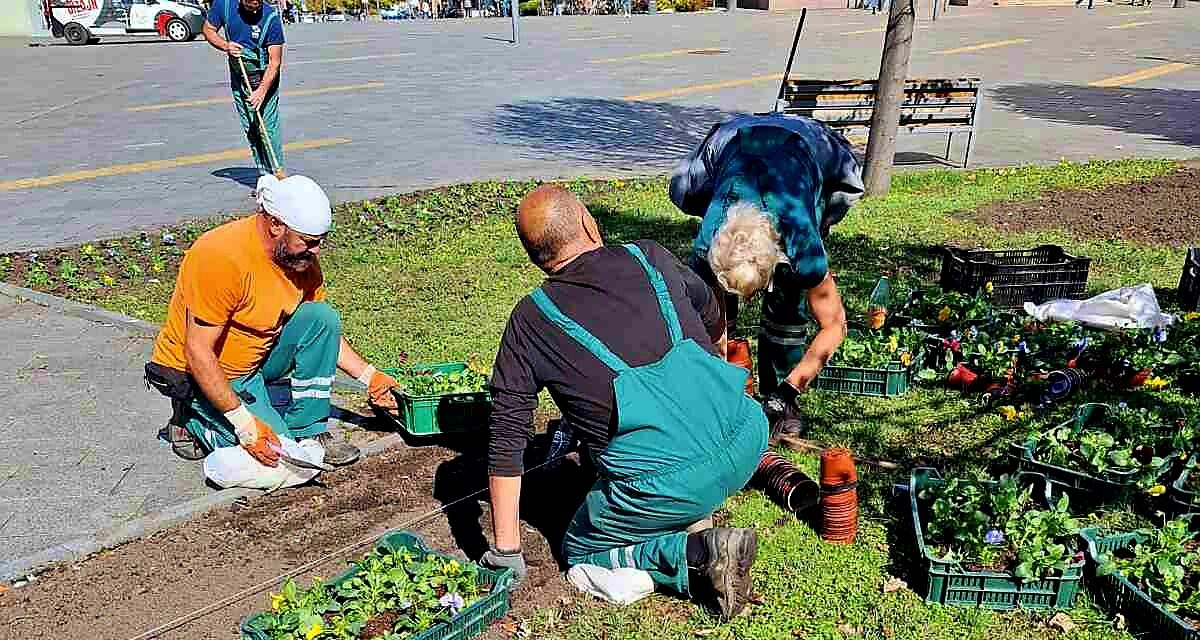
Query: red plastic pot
961, 377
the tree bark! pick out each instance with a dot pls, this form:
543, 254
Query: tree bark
889, 95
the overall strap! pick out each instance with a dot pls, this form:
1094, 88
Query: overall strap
262, 31
577, 332
674, 330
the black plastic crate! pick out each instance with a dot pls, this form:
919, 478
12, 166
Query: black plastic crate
1017, 276
1189, 281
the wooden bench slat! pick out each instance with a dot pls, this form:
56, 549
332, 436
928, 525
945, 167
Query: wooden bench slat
913, 96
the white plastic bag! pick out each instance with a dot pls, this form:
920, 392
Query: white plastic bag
618, 586
234, 467
1124, 308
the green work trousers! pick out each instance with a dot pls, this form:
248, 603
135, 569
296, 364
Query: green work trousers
255, 130
306, 356
780, 349
638, 522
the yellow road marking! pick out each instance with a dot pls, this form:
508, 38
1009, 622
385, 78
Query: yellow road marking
981, 46
1130, 25
862, 31
228, 99
350, 59
644, 56
612, 37
1138, 76
679, 91
156, 165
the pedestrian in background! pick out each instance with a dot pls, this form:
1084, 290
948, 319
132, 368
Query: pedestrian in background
254, 43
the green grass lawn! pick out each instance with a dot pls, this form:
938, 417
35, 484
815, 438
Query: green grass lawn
436, 273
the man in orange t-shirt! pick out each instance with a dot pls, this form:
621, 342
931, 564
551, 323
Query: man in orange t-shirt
249, 311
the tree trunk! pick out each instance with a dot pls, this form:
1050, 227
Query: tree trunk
889, 95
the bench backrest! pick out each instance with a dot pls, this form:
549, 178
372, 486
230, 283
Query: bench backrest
848, 103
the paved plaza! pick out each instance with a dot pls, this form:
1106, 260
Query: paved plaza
102, 139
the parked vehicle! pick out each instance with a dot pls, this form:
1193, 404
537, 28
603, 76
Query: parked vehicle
335, 17
84, 21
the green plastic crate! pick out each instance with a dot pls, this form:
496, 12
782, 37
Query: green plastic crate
1115, 593
893, 380
1111, 485
468, 623
431, 415
950, 584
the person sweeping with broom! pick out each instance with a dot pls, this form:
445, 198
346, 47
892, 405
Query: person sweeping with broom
254, 43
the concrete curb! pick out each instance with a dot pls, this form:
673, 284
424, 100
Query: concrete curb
79, 548
79, 310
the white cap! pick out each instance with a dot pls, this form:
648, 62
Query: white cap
297, 201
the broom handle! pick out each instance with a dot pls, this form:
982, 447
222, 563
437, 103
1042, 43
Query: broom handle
262, 126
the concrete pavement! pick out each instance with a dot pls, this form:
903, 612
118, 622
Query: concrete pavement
103, 139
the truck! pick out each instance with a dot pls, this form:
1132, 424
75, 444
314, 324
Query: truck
84, 21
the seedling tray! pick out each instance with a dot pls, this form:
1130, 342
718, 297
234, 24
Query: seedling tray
1109, 486
468, 623
1042, 273
434, 414
893, 380
1115, 593
952, 585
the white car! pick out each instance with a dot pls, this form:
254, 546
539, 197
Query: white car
309, 18
335, 17
83, 21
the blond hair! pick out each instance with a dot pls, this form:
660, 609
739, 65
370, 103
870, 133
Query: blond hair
745, 250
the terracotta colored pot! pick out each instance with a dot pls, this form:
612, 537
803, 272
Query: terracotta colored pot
1139, 378
737, 351
839, 501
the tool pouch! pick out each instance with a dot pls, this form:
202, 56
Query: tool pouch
174, 384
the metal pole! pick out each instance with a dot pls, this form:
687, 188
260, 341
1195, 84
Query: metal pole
889, 95
516, 11
792, 56
935, 9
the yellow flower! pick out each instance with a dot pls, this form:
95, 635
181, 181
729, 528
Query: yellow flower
906, 358
1009, 412
277, 601
944, 314
107, 280
1157, 490
1155, 383
893, 343
1191, 315
989, 287
314, 631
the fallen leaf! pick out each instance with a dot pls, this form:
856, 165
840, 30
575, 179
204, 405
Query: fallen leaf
849, 630
888, 633
798, 633
3, 589
1119, 622
757, 599
704, 633
1062, 622
894, 584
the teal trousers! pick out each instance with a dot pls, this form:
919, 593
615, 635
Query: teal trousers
251, 126
639, 521
306, 357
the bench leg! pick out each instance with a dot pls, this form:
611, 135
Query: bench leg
967, 153
949, 139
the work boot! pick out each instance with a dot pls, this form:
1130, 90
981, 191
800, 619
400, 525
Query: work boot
338, 452
726, 570
183, 443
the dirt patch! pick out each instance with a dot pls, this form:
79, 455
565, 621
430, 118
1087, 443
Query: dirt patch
1159, 211
126, 591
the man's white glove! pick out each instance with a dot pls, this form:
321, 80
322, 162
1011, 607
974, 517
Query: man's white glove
255, 436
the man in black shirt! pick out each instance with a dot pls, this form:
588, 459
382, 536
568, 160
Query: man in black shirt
622, 337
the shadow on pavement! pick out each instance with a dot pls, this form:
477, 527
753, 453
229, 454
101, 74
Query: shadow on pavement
1168, 114
245, 176
609, 133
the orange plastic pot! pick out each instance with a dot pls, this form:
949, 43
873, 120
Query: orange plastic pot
839, 496
737, 351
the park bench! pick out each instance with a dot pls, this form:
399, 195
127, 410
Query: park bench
932, 105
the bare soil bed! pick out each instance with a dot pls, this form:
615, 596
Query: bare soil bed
1159, 211
124, 592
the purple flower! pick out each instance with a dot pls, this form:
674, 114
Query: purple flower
452, 600
1160, 334
168, 238
994, 536
1123, 405
1022, 347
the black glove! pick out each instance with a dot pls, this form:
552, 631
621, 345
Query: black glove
515, 560
783, 410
